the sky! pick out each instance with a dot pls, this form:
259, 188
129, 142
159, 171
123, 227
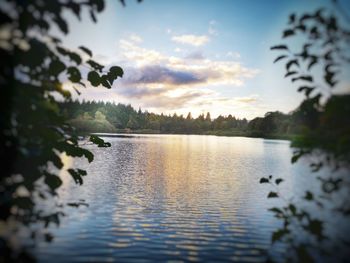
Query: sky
193, 56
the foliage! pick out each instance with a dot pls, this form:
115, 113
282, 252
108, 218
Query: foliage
34, 132
120, 117
325, 136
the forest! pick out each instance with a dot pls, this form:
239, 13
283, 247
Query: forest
105, 117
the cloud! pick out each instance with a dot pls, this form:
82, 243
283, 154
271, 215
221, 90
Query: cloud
147, 66
250, 99
156, 74
197, 55
193, 40
161, 83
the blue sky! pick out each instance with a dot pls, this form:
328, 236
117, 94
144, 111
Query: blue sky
197, 56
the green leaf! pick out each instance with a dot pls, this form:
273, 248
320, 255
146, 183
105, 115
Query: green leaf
94, 78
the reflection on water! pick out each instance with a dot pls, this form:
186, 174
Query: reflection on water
172, 197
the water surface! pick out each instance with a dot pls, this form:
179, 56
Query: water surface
172, 197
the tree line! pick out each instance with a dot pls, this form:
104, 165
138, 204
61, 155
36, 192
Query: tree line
92, 116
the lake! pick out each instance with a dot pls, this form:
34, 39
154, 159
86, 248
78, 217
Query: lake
173, 197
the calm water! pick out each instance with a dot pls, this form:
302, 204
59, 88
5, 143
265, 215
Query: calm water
172, 197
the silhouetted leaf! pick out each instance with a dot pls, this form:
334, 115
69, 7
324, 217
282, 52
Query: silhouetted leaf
75, 8
272, 195
74, 74
95, 65
278, 181
303, 255
56, 67
98, 4
105, 82
292, 18
304, 77
293, 209
279, 58
53, 181
116, 71
315, 227
292, 62
312, 63
93, 17
74, 57
77, 175
277, 235
48, 237
295, 158
23, 202
94, 78
328, 77
264, 180
306, 89
305, 17
279, 47
61, 24
290, 73
86, 50
301, 27
99, 142
276, 210
309, 196
288, 32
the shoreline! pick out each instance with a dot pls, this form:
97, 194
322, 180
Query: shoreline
288, 137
